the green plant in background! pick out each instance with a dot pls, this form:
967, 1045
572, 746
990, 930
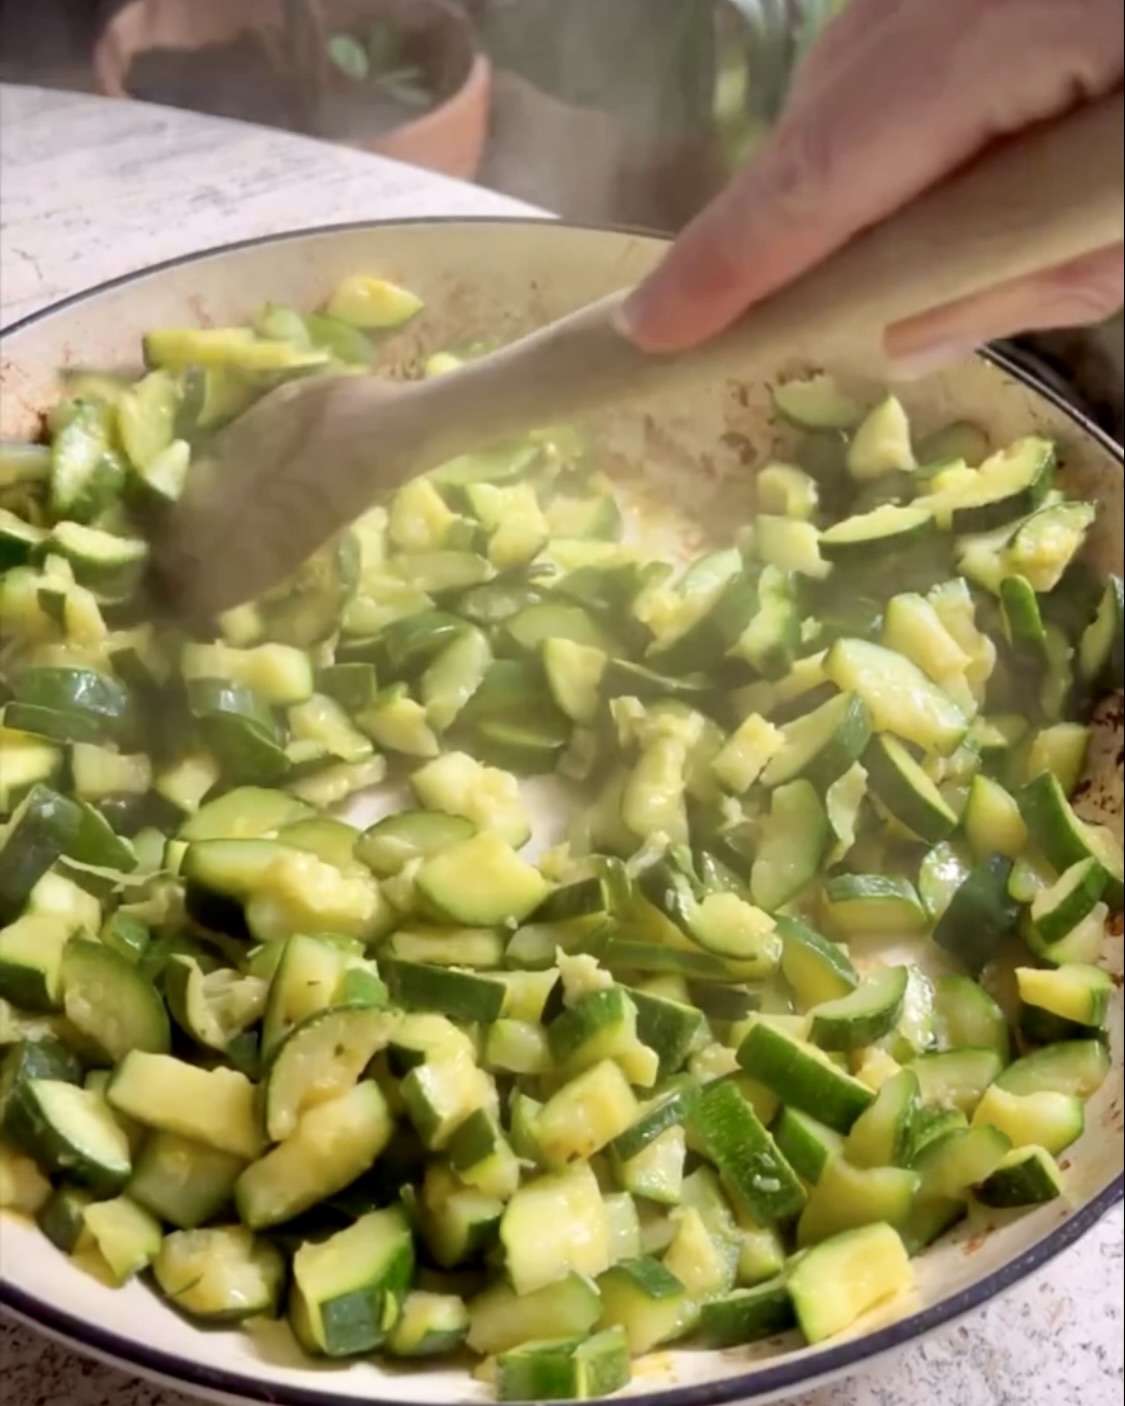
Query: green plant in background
762, 42
377, 58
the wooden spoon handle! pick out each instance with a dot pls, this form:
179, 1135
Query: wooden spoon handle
1035, 202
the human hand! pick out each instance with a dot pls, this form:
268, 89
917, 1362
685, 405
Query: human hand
896, 96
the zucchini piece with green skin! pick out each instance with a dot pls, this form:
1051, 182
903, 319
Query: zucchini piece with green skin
942, 872
817, 404
461, 995
28, 761
1010, 485
481, 882
656, 1175
794, 842
124, 1235
821, 746
457, 784
398, 723
111, 1003
530, 630
849, 1198
913, 628
1078, 994
806, 1144
1065, 839
967, 1017
840, 1280
865, 1015
88, 474
903, 787
992, 821
181, 1182
320, 719
574, 675
1058, 910
97, 706
441, 1093
500, 1319
454, 676
481, 1156
334, 1144
1027, 1176
20, 541
899, 696
647, 1301
456, 1221
305, 981
239, 730
745, 1154
220, 1275
980, 915
372, 304
397, 840
478, 949
670, 1028
1046, 543
816, 969
1023, 621
320, 1060
216, 1107
747, 752
1054, 1121
787, 490
886, 529
748, 1315
109, 565
1078, 1068
23, 463
882, 1136
348, 1290
62, 1219
1101, 652
1062, 750
1085, 943
565, 1369
802, 1077
428, 1325
229, 348
601, 1025
31, 957
99, 774
951, 1166
23, 1187
873, 903
555, 1225
957, 1079
72, 1132
42, 1058
354, 686
672, 1106
881, 443
771, 640
961, 441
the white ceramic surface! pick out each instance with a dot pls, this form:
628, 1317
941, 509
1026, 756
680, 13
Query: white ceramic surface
687, 461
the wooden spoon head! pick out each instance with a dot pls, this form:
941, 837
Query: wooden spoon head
276, 484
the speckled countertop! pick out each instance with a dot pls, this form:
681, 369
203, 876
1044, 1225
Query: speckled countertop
91, 189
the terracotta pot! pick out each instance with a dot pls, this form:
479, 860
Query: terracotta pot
438, 38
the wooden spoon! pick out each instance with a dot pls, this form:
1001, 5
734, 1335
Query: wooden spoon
313, 455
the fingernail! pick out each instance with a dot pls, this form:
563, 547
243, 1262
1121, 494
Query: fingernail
916, 363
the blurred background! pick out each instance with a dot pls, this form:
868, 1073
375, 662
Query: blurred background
627, 112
